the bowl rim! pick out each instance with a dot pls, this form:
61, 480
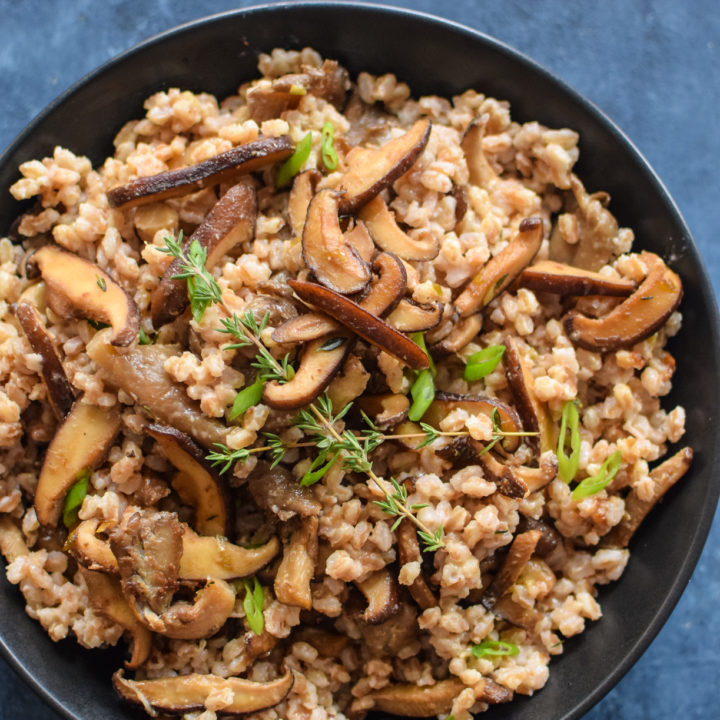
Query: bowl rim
706, 514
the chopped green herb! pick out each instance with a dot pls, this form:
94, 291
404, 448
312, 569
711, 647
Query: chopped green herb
74, 499
483, 362
647, 297
101, 283
423, 393
592, 485
246, 398
328, 154
292, 166
143, 338
95, 325
253, 604
332, 344
419, 339
499, 283
318, 468
495, 648
226, 457
569, 422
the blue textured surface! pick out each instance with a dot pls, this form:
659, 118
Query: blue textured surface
651, 65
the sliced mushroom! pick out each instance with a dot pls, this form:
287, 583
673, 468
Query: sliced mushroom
503, 268
139, 372
480, 170
301, 194
274, 489
106, 597
304, 328
464, 332
445, 403
519, 615
387, 639
185, 693
534, 414
197, 484
60, 392
550, 537
89, 550
381, 592
222, 168
349, 384
636, 318
35, 294
297, 567
409, 551
664, 476
326, 252
77, 288
561, 279
537, 478
80, 443
359, 238
372, 170
521, 550
231, 222
383, 228
410, 317
360, 321
320, 361
328, 644
386, 411
504, 476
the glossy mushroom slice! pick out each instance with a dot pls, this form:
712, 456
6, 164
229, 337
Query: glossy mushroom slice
664, 476
361, 322
230, 222
384, 230
504, 476
274, 489
561, 279
80, 443
410, 317
89, 550
304, 328
359, 238
184, 693
386, 410
326, 252
139, 372
60, 392
634, 319
299, 198
409, 551
536, 478
320, 362
481, 172
197, 483
445, 403
464, 332
372, 170
77, 288
105, 596
222, 168
297, 567
549, 540
380, 589
503, 268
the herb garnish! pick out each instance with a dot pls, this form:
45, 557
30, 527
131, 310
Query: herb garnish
74, 499
569, 421
247, 397
592, 485
495, 648
328, 153
483, 362
101, 283
292, 166
253, 604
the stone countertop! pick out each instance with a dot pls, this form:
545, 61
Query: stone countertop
651, 65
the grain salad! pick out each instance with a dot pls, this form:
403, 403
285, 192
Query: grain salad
326, 400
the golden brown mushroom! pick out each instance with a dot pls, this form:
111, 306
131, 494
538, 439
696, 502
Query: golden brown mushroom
89, 550
301, 194
386, 410
297, 567
561, 279
381, 592
274, 489
410, 317
464, 332
480, 171
409, 551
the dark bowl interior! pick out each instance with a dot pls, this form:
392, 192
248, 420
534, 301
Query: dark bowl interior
433, 56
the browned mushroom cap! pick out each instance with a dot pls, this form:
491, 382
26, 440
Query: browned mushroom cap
386, 410
301, 194
534, 414
664, 476
503, 268
80, 443
409, 551
320, 361
326, 252
463, 333
410, 317
223, 168
230, 222
461, 202
504, 476
537, 478
139, 372
184, 693
550, 537
60, 392
554, 277
636, 318
360, 321
480, 171
274, 489
197, 484
372, 170
359, 238
521, 550
328, 644
297, 567
304, 328
445, 403
106, 597
350, 383
516, 614
384, 230
381, 592
89, 550
77, 288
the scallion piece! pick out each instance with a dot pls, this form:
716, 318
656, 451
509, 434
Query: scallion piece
423, 393
253, 604
419, 339
569, 422
74, 499
291, 167
318, 468
483, 362
246, 398
592, 485
328, 154
495, 648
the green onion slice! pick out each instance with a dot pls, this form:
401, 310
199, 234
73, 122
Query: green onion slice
328, 154
246, 398
569, 422
253, 604
318, 468
423, 393
74, 499
291, 167
494, 648
483, 362
592, 485
419, 339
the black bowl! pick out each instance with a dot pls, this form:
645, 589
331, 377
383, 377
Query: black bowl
433, 56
